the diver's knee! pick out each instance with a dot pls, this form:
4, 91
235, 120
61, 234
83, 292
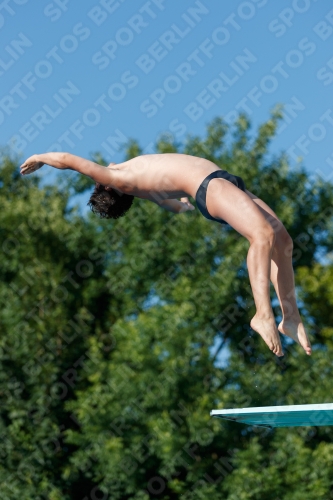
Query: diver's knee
283, 238
264, 236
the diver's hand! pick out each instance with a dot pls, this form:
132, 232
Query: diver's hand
186, 205
31, 165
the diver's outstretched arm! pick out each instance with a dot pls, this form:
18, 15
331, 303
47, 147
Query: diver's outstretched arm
65, 161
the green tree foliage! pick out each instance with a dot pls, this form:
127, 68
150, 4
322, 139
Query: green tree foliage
112, 334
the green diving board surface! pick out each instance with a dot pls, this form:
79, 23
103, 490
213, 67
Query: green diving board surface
280, 416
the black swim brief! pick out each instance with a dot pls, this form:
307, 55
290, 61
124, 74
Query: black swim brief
200, 197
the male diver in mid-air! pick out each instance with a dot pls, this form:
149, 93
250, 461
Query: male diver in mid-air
220, 196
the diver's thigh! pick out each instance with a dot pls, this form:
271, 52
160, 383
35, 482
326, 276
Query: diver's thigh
262, 204
226, 201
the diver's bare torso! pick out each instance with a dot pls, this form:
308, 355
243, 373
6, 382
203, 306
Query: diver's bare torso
170, 175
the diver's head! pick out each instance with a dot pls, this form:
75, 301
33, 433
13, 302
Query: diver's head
108, 203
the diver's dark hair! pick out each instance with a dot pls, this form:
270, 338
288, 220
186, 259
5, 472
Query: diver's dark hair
108, 204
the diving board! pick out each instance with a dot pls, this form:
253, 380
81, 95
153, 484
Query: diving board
280, 416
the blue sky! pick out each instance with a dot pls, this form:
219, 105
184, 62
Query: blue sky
87, 76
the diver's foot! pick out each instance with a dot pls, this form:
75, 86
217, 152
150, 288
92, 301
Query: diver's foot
266, 327
294, 328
